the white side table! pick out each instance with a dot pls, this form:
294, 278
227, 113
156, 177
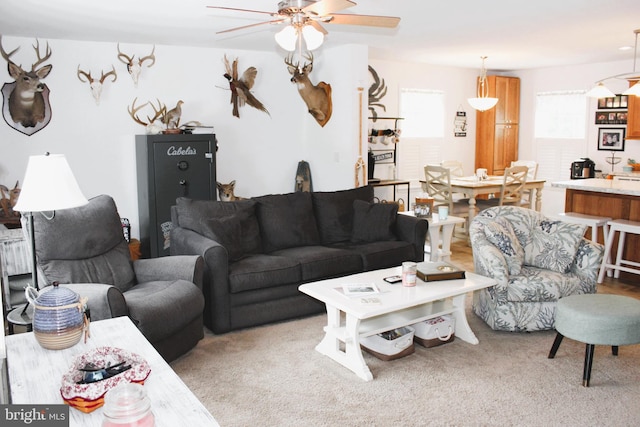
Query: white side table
440, 233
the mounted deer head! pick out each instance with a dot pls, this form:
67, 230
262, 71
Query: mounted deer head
27, 96
135, 67
317, 97
96, 85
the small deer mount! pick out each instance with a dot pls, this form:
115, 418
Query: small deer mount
8, 201
134, 68
317, 97
26, 105
96, 84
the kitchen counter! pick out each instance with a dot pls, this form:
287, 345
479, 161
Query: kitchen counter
613, 198
597, 185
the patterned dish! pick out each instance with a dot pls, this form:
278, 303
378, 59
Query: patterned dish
89, 397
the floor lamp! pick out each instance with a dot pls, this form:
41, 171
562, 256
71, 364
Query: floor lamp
48, 185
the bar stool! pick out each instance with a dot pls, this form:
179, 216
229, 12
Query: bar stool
623, 226
589, 220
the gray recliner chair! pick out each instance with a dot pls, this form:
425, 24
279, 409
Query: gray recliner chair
84, 248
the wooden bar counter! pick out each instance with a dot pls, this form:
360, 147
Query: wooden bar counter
616, 199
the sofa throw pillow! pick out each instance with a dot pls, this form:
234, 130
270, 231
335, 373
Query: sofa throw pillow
373, 222
238, 232
334, 212
553, 245
501, 234
191, 212
286, 221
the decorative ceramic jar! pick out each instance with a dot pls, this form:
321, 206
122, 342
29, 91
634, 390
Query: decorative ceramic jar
58, 316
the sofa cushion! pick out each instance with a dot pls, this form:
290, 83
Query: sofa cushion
382, 254
334, 212
320, 262
191, 212
238, 232
373, 222
262, 271
535, 284
500, 233
553, 245
286, 221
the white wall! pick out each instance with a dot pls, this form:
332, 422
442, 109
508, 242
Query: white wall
259, 151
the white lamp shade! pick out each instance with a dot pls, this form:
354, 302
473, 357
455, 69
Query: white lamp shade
600, 91
49, 185
482, 104
312, 37
633, 90
287, 38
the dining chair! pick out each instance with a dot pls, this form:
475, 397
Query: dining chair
532, 173
512, 190
438, 186
454, 166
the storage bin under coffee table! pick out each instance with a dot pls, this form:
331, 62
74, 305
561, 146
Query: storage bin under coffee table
349, 320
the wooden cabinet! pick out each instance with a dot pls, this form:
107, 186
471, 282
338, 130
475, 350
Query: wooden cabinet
633, 115
497, 128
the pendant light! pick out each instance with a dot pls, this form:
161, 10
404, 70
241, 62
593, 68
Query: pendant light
482, 102
601, 91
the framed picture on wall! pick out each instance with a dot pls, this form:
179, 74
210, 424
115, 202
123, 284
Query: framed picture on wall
611, 139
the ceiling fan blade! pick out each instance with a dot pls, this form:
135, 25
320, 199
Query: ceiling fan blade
240, 10
317, 26
325, 7
277, 21
368, 20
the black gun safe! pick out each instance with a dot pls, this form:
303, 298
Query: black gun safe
168, 167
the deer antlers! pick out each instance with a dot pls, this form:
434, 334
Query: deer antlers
151, 124
134, 68
96, 85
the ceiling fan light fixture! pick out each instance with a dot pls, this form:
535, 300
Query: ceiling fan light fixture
312, 37
482, 102
287, 38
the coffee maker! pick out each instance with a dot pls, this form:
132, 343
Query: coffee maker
583, 168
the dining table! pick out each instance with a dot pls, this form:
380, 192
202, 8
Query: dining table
472, 187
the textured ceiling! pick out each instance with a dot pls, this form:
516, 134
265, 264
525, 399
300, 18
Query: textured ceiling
513, 34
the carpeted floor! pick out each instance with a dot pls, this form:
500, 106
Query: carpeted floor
272, 376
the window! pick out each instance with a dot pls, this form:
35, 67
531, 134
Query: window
423, 112
560, 132
422, 133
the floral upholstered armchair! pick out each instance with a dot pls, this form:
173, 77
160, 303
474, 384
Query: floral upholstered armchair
535, 260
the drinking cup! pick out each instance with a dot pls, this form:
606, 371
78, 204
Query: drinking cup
409, 270
443, 212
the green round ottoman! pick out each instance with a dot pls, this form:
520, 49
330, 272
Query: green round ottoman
597, 319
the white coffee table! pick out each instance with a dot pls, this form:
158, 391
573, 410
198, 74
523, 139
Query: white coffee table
400, 306
35, 375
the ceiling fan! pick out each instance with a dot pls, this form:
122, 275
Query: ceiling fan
301, 13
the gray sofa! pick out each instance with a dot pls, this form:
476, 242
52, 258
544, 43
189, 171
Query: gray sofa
258, 251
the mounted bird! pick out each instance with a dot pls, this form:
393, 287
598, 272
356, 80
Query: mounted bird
241, 87
172, 117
